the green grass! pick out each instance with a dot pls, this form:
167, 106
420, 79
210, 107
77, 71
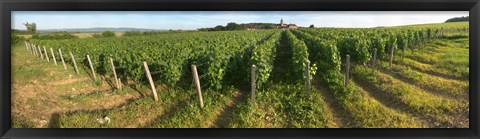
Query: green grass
447, 57
370, 113
416, 99
283, 105
192, 116
177, 107
452, 88
277, 106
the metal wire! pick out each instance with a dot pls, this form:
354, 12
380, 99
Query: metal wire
155, 72
201, 76
203, 86
201, 64
120, 67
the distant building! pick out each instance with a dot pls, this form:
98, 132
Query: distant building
286, 26
254, 27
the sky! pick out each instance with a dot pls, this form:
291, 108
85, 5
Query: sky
188, 20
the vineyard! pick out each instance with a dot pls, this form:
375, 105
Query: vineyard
394, 77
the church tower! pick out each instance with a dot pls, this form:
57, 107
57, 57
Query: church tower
281, 22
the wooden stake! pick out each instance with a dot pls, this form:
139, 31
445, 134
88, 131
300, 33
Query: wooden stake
61, 57
197, 84
39, 51
114, 72
307, 77
53, 55
253, 83
28, 47
347, 71
152, 85
74, 62
391, 54
34, 50
119, 83
41, 54
46, 54
91, 67
374, 60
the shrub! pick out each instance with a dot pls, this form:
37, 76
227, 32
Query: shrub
108, 34
16, 39
53, 36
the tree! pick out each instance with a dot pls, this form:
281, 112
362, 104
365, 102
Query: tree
31, 27
219, 28
311, 26
458, 19
233, 26
108, 34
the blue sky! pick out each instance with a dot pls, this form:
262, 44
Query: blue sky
200, 19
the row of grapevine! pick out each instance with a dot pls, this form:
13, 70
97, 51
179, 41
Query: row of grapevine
263, 56
324, 53
170, 54
299, 56
359, 43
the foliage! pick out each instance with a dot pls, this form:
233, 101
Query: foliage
108, 34
16, 39
53, 36
170, 54
31, 27
300, 57
457, 19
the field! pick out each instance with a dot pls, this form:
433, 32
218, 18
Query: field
80, 35
422, 84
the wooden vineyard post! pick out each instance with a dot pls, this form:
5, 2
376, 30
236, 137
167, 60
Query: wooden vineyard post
391, 54
34, 50
53, 55
28, 47
253, 83
91, 67
61, 57
41, 54
46, 54
307, 77
38, 51
374, 60
197, 84
347, 72
152, 85
114, 73
119, 83
31, 49
74, 62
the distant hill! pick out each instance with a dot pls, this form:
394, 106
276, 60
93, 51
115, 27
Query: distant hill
88, 30
457, 19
